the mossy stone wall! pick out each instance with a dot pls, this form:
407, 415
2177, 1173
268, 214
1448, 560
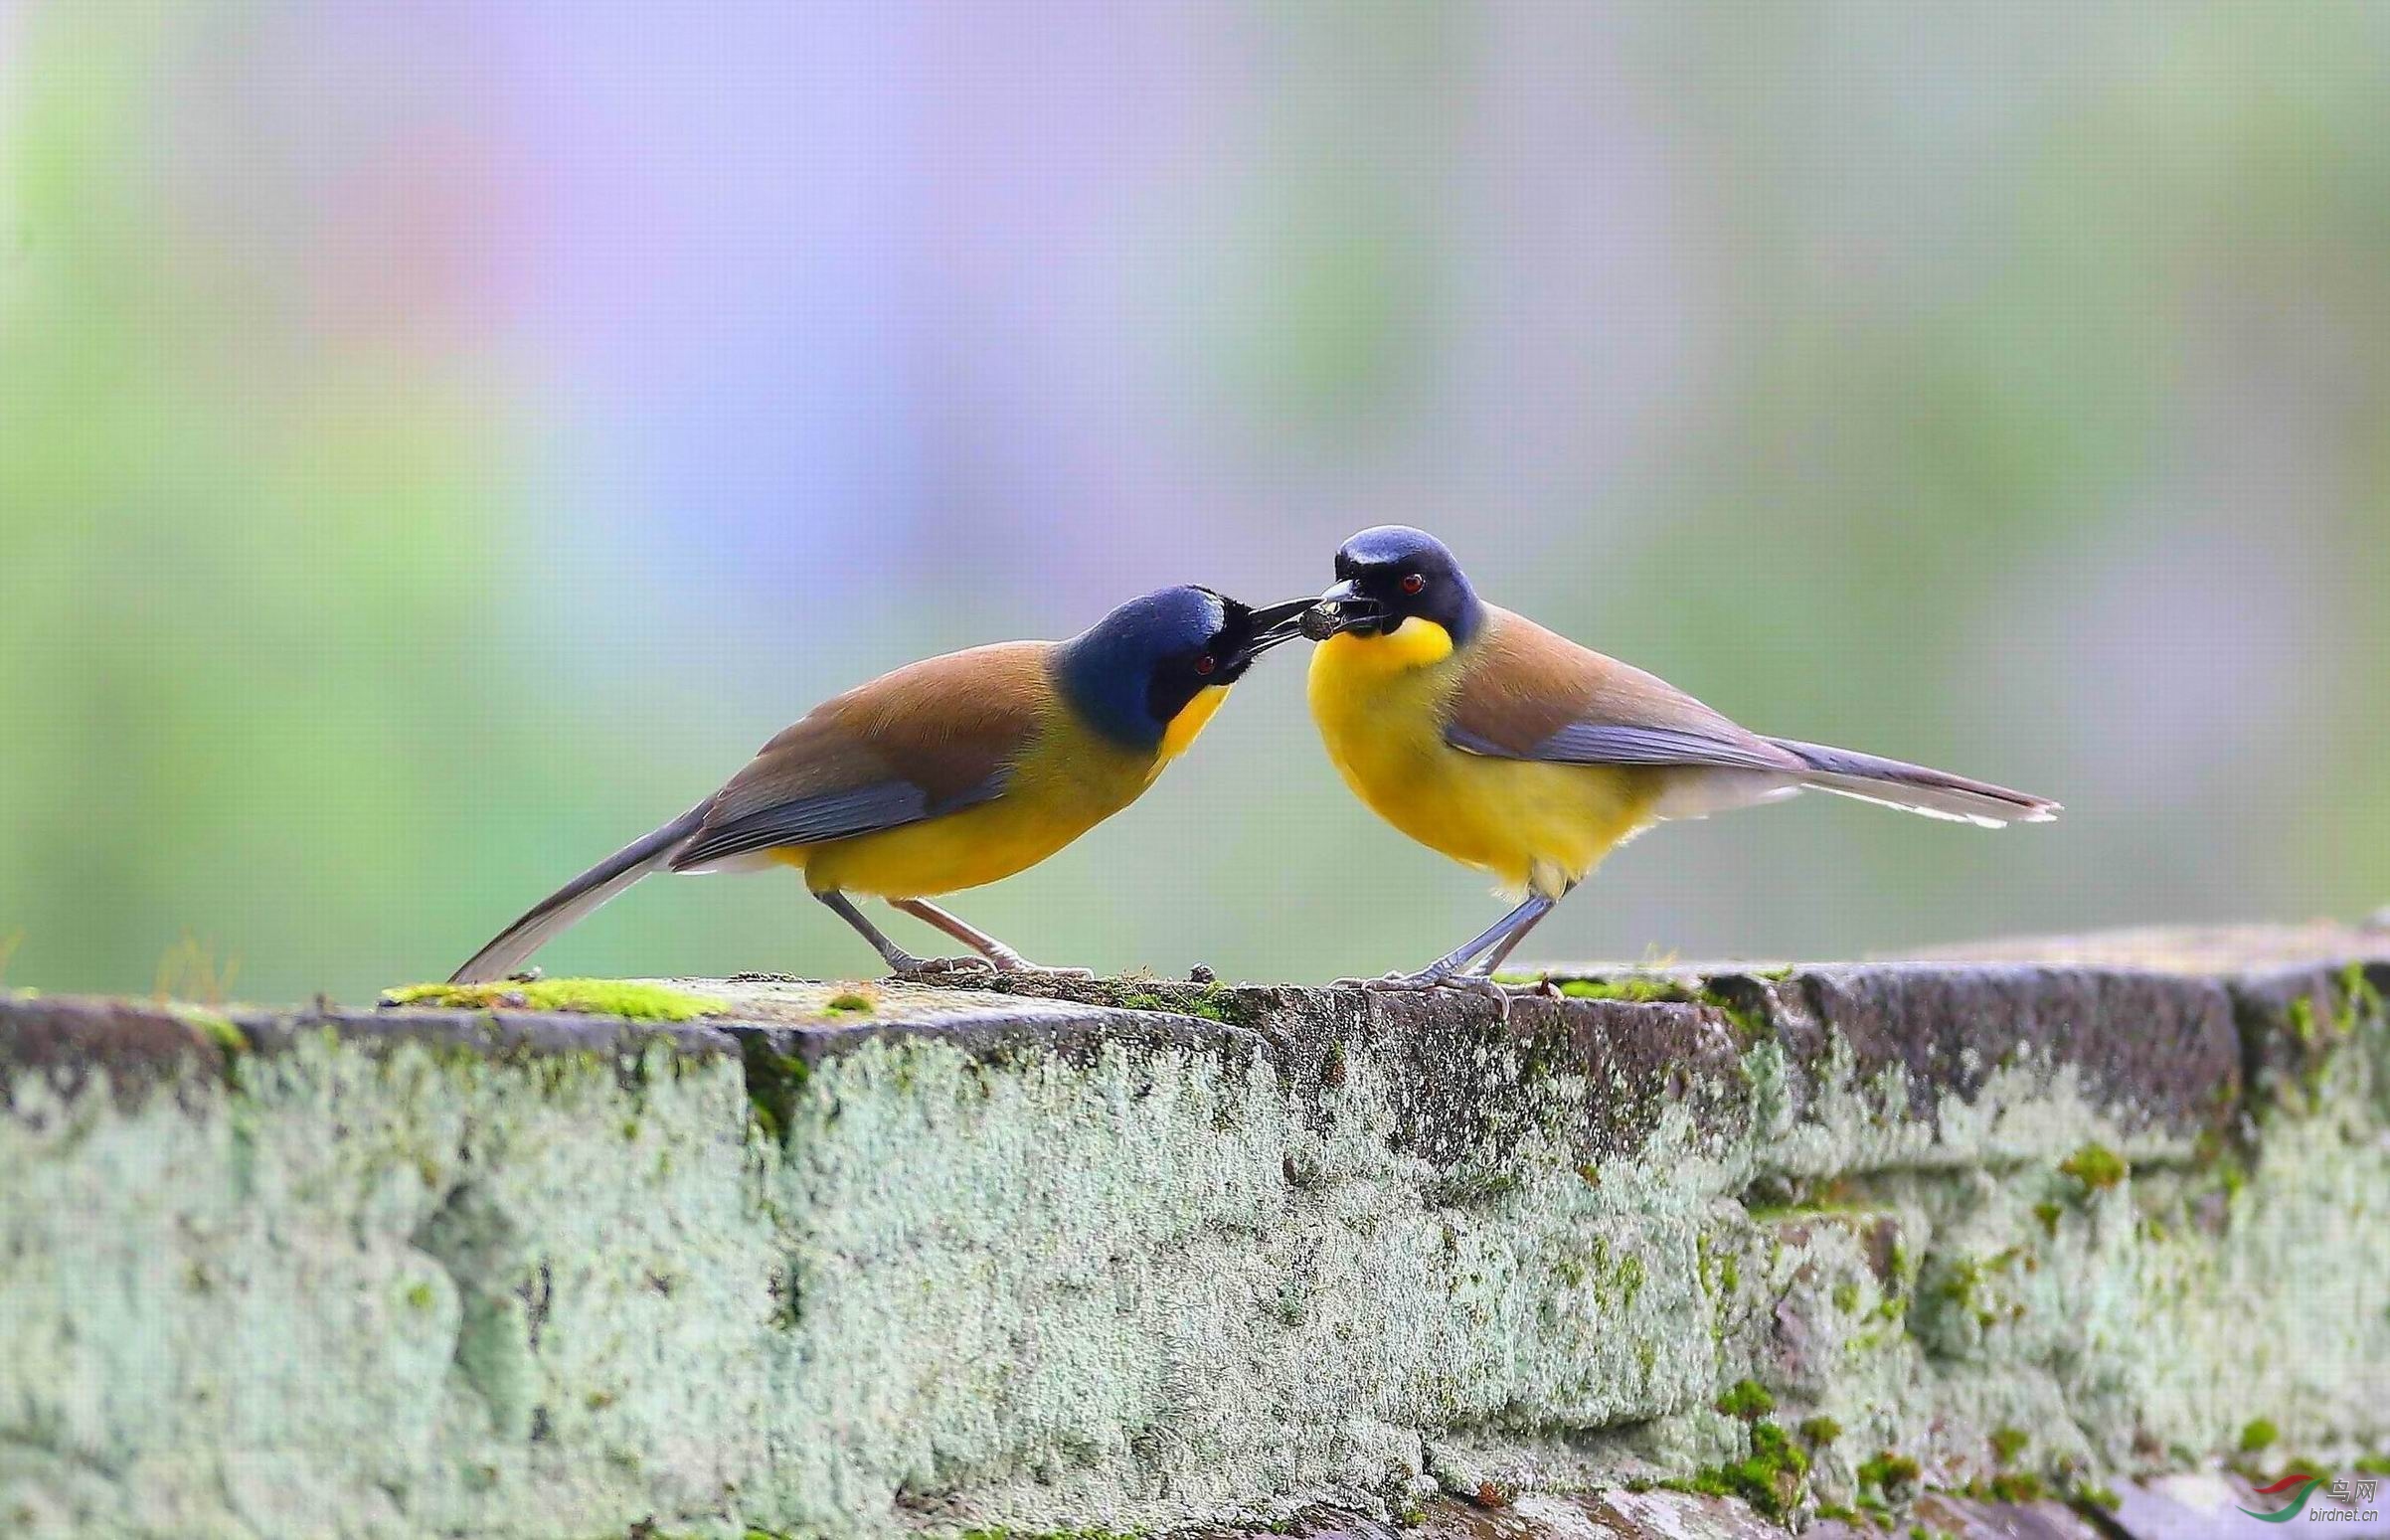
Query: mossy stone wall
823, 1260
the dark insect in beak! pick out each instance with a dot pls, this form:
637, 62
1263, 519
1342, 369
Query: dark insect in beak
1276, 623
1343, 607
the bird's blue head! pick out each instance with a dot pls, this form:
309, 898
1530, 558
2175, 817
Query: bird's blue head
1149, 675
1389, 574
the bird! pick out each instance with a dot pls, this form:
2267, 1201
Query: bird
1513, 749
948, 774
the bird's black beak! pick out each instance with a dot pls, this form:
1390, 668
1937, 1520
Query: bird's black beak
1274, 624
1341, 608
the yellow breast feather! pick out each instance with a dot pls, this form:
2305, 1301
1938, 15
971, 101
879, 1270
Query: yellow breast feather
1068, 780
1191, 720
1381, 703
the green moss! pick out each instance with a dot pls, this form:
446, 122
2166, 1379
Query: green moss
2357, 997
1748, 1400
2303, 1020
1144, 992
2098, 1498
1719, 1270
2017, 1486
1887, 1469
1961, 1286
1821, 1430
2049, 1214
2007, 1443
850, 1002
1774, 1213
585, 996
2260, 1435
1467, 1184
420, 1296
774, 1080
2232, 1174
2095, 1166
1719, 1267
1771, 1478
1629, 1280
1210, 1007
1748, 1021
2315, 1037
2372, 1465
1846, 1298
1647, 991
215, 1026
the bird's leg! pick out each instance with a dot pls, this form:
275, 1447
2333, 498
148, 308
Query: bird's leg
1494, 959
1004, 958
899, 961
962, 930
1452, 962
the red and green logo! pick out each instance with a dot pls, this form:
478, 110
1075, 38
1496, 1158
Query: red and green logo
2298, 1484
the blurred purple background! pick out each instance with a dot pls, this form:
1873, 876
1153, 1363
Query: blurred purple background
439, 442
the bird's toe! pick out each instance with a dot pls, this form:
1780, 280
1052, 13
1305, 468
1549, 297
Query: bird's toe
1040, 970
1480, 984
1390, 983
944, 967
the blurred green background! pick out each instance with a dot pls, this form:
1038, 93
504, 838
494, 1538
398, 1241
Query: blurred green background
439, 442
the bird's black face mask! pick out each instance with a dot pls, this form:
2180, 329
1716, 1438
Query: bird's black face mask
1387, 576
1221, 658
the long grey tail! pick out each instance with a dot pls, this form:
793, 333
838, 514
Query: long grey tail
576, 900
1915, 788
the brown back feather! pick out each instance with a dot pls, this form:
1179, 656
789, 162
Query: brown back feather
945, 725
1522, 683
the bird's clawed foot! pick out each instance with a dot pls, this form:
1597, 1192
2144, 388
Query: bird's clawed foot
1389, 983
1021, 968
1013, 965
1432, 978
1011, 962
921, 971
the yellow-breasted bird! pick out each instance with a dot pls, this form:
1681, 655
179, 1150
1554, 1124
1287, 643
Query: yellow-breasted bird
948, 774
1511, 749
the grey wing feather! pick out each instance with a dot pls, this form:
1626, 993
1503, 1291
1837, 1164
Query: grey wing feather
1610, 743
1917, 788
840, 815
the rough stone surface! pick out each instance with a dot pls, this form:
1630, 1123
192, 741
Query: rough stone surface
1848, 1242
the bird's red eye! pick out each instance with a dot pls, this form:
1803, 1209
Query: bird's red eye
1412, 583
1205, 664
